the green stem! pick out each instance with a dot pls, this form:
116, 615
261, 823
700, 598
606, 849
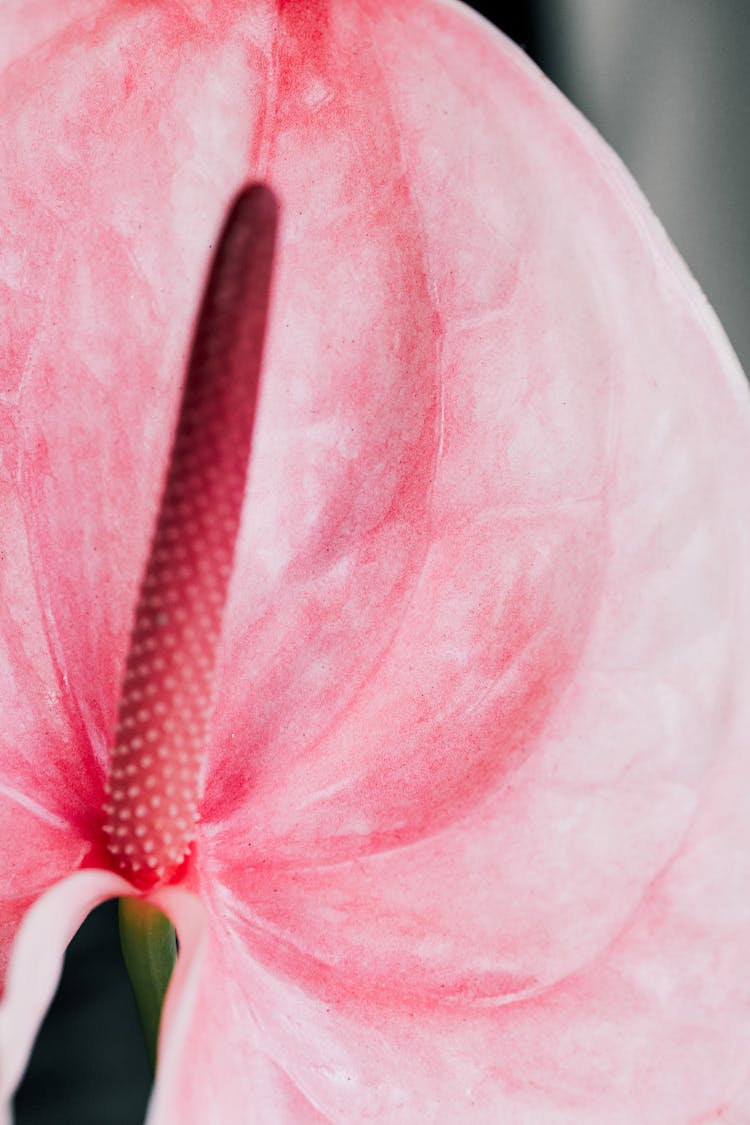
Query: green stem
149, 949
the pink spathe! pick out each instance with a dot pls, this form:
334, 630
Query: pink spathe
474, 838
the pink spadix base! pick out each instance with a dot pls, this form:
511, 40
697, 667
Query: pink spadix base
167, 694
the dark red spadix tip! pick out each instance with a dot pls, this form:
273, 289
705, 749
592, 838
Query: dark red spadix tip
167, 693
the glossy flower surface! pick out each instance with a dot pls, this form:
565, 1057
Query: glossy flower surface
474, 839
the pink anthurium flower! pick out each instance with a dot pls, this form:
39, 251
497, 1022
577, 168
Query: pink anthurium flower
473, 842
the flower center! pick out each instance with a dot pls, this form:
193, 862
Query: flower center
153, 784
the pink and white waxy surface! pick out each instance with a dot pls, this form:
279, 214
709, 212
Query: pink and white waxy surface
474, 836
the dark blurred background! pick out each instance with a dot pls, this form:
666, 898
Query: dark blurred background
665, 82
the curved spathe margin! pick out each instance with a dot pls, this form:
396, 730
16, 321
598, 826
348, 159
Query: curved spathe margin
188, 916
36, 965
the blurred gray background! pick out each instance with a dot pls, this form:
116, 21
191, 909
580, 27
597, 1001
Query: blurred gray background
666, 83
